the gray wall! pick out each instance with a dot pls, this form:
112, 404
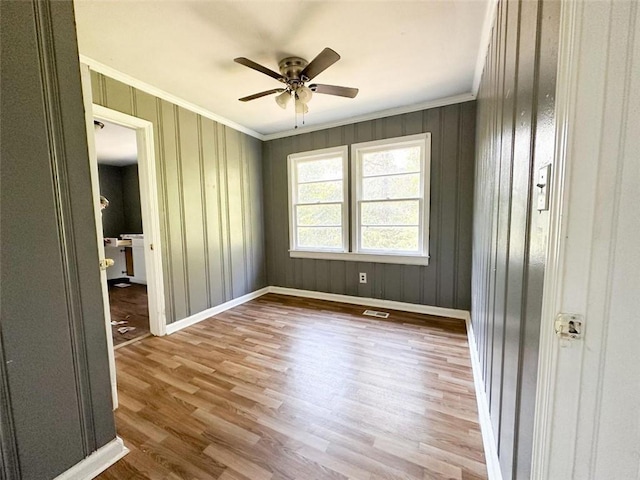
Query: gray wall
54, 373
111, 187
121, 186
210, 194
131, 200
446, 281
515, 138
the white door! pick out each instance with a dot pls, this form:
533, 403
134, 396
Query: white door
95, 187
588, 405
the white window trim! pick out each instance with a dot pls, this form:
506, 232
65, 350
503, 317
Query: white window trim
292, 180
361, 257
349, 209
424, 141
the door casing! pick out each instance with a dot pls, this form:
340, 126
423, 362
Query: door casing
149, 210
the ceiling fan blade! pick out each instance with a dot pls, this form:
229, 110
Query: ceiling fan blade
334, 90
256, 66
324, 60
262, 94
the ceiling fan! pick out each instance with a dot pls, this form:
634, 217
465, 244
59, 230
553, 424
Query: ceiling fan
295, 73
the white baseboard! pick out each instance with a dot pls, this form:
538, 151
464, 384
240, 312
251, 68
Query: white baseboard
97, 462
484, 417
374, 302
210, 312
332, 297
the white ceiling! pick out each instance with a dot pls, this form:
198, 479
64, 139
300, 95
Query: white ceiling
398, 53
116, 145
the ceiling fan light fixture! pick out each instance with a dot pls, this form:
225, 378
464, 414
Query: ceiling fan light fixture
283, 99
304, 94
301, 107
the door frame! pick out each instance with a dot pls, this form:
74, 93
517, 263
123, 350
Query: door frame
592, 96
149, 208
566, 83
546, 429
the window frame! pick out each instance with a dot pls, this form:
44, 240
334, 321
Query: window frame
292, 180
350, 231
422, 140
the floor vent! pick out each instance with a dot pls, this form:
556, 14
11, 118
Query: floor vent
373, 313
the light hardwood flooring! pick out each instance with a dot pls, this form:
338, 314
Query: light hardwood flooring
290, 388
131, 306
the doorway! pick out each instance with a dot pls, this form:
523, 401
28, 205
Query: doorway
150, 243
122, 230
141, 260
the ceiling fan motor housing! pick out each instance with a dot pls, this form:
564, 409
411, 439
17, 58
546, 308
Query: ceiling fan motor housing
291, 67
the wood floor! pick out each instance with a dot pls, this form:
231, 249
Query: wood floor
129, 305
289, 388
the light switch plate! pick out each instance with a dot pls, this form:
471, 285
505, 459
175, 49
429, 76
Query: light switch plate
542, 183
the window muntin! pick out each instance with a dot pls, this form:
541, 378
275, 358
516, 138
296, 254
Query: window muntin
317, 200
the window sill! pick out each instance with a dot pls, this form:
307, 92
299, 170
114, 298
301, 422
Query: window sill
362, 257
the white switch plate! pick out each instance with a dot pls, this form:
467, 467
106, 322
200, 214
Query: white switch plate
542, 183
363, 277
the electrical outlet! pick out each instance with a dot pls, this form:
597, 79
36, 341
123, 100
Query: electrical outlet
363, 277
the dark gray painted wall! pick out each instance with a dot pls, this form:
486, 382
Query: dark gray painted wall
446, 281
122, 188
210, 194
131, 199
515, 138
55, 386
111, 187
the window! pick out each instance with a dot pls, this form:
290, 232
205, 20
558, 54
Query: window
318, 193
389, 209
390, 182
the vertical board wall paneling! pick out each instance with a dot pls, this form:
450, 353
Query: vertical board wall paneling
224, 207
56, 407
193, 216
202, 179
254, 156
235, 208
213, 214
173, 249
515, 138
543, 117
445, 282
210, 194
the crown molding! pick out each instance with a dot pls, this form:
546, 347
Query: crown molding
465, 97
150, 89
485, 39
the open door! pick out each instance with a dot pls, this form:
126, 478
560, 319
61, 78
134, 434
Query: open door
95, 187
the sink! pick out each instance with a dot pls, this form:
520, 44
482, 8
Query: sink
116, 242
